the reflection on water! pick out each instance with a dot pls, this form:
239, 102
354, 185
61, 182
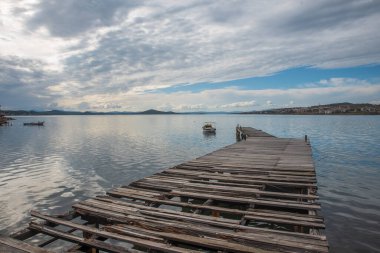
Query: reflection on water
209, 135
75, 157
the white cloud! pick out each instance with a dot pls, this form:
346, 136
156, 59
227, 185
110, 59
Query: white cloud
225, 99
239, 104
339, 81
88, 51
29, 44
336, 81
190, 107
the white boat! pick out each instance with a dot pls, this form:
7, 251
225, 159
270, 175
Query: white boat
208, 127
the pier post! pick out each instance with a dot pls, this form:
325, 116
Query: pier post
238, 134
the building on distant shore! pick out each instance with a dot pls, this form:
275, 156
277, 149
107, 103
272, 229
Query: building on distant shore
340, 108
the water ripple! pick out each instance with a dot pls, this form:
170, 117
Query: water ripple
75, 157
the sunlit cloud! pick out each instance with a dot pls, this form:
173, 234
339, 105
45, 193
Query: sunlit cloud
336, 81
225, 99
239, 104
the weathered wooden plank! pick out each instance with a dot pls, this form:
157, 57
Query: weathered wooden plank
92, 230
212, 243
284, 221
141, 192
273, 236
246, 190
226, 164
246, 171
27, 233
93, 243
286, 215
107, 246
136, 210
180, 204
267, 182
121, 218
11, 245
283, 178
305, 205
264, 240
210, 187
292, 216
248, 233
160, 178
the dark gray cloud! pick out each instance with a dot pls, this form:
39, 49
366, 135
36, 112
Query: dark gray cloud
23, 84
325, 14
118, 56
72, 17
228, 12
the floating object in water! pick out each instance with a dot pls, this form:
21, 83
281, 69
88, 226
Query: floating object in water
208, 127
39, 123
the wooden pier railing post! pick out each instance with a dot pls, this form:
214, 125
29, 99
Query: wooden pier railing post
238, 133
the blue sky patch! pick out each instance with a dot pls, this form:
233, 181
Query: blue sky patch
291, 78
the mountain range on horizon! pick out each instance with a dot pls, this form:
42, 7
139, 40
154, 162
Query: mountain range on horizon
335, 108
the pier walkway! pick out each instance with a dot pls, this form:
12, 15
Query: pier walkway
257, 195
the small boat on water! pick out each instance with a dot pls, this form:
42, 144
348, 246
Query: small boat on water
208, 127
39, 123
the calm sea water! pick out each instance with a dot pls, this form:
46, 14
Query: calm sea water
75, 157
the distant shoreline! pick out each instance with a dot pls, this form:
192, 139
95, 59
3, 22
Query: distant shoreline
330, 109
319, 114
210, 113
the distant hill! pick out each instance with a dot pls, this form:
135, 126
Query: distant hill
203, 112
337, 108
151, 111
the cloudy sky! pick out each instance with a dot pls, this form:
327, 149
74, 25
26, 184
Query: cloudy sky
187, 55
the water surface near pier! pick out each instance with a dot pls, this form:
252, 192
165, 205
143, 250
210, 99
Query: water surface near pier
75, 157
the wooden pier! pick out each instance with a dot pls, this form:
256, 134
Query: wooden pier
258, 195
